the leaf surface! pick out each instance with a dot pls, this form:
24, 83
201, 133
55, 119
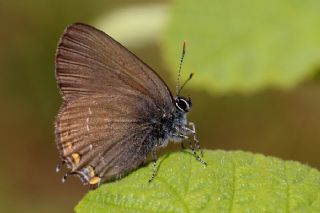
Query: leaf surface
232, 182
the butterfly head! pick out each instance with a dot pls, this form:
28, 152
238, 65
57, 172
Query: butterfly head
183, 104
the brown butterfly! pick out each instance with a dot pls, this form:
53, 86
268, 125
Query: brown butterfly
116, 109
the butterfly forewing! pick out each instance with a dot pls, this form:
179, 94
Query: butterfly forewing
109, 98
89, 61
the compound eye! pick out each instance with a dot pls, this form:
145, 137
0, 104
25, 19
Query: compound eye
182, 104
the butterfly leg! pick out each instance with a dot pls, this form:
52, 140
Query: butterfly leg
197, 142
197, 156
193, 132
154, 159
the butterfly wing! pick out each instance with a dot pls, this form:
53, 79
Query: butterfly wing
88, 61
110, 96
95, 133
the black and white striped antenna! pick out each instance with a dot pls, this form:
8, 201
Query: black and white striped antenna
178, 88
180, 66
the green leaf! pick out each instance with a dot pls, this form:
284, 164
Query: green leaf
243, 46
232, 182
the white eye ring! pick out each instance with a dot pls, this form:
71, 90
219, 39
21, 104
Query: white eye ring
186, 104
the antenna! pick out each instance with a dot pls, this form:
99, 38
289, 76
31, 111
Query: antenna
190, 76
180, 66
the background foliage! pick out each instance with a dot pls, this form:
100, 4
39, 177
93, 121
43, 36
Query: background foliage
243, 108
243, 46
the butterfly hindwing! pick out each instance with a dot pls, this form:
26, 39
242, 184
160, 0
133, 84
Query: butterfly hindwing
97, 132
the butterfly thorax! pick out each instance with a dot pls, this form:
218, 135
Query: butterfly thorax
171, 126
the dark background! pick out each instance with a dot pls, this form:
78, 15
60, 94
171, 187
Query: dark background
280, 123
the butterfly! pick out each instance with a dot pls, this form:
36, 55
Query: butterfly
116, 110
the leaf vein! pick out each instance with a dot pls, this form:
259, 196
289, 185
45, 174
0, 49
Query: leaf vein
175, 193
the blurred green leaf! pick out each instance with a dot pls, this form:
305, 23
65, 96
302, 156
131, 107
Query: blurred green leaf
127, 23
232, 182
244, 46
